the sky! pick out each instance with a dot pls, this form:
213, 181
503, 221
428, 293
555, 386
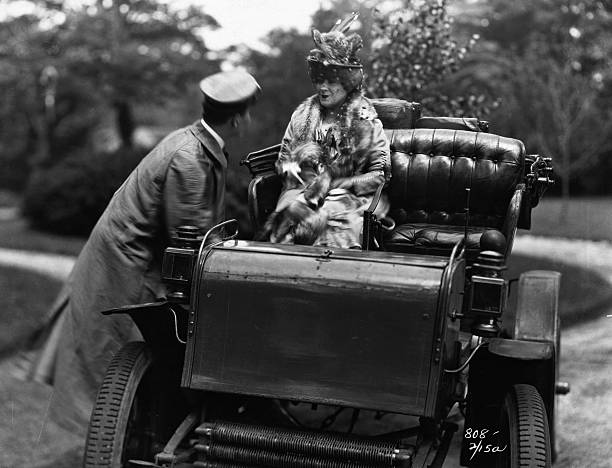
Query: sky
246, 21
242, 21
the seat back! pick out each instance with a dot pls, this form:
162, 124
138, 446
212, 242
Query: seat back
266, 185
431, 169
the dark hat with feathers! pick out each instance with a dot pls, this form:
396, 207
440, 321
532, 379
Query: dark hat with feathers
335, 56
335, 47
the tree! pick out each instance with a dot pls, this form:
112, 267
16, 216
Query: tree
414, 54
111, 55
549, 60
138, 51
560, 117
24, 49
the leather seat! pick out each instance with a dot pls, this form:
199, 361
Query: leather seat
431, 169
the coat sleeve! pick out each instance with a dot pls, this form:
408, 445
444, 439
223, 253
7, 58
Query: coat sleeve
379, 158
188, 193
373, 160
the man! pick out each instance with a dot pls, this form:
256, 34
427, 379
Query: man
180, 182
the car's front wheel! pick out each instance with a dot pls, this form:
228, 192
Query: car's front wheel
524, 425
129, 421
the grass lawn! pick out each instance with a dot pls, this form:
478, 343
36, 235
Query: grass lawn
16, 234
585, 218
26, 298
27, 437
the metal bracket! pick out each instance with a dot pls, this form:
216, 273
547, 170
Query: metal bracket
325, 256
167, 457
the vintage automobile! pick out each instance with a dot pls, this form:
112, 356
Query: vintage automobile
300, 356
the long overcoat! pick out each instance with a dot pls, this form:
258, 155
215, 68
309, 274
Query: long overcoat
180, 182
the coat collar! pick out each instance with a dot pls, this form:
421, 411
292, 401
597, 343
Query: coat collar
209, 142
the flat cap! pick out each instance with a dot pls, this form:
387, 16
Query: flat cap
229, 89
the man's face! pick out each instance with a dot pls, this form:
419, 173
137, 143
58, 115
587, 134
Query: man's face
331, 94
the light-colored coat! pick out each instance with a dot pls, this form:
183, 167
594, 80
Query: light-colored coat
180, 182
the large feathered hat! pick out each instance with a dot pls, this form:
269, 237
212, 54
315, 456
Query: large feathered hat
335, 56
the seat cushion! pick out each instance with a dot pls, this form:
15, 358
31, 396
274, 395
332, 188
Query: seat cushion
436, 236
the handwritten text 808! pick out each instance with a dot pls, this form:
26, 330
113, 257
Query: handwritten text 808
478, 445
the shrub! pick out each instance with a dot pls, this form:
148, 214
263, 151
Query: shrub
69, 197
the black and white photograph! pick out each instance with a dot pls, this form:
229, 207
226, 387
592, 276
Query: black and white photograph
305, 234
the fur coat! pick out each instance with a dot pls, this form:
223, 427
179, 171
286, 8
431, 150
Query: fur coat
329, 174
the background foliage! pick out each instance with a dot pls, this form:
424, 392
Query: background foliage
414, 53
69, 197
80, 83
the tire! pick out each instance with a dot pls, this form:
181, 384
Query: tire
524, 427
115, 431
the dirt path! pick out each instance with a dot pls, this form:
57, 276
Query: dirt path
56, 266
596, 255
585, 414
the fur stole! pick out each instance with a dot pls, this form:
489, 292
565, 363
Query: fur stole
352, 132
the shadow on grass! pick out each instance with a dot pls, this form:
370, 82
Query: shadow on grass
584, 293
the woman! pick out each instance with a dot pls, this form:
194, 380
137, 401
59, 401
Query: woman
334, 154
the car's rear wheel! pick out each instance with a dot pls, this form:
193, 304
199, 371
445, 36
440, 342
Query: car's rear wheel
128, 421
524, 427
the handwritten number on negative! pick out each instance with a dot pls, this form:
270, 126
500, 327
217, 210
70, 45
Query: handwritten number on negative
478, 446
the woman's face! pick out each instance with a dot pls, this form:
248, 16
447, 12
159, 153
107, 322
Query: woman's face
331, 95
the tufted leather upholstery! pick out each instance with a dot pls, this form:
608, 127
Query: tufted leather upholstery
432, 168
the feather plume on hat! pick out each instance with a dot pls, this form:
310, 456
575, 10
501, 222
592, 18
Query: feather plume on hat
335, 47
